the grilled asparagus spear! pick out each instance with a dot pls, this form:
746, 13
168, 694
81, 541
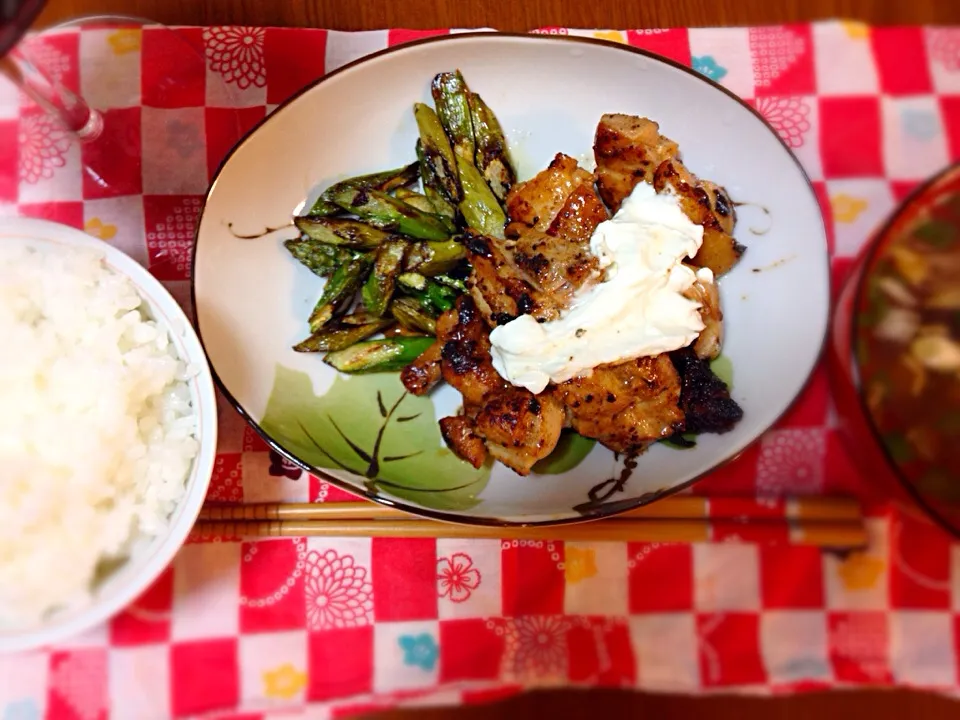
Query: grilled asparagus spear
432, 188
339, 291
410, 314
338, 338
454, 282
450, 95
338, 231
429, 294
384, 355
320, 258
480, 208
432, 258
384, 181
437, 154
387, 213
378, 289
410, 197
423, 203
491, 148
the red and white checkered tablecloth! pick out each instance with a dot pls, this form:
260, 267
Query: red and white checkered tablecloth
329, 627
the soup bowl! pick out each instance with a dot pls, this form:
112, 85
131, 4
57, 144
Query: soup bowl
894, 353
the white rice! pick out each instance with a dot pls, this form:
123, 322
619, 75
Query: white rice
97, 430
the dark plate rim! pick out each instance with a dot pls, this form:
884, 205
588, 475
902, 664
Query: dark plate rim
865, 261
601, 511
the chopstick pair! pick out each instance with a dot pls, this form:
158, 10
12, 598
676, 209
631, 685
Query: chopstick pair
829, 522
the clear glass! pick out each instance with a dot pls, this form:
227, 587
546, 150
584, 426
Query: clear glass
113, 142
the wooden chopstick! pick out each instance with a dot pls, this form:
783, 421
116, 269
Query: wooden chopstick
820, 521
811, 509
839, 535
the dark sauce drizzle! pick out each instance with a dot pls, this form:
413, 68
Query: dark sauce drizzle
761, 208
257, 236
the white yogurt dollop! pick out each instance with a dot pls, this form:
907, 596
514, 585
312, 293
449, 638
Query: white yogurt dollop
637, 310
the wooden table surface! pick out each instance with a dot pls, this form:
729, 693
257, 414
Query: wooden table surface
508, 14
520, 15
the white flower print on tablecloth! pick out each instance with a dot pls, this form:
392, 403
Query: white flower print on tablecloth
774, 50
337, 590
49, 59
861, 639
943, 45
457, 578
791, 461
787, 115
236, 52
77, 678
535, 647
43, 147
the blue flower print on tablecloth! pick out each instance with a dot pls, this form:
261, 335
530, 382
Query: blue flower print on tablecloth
920, 124
25, 709
419, 650
707, 65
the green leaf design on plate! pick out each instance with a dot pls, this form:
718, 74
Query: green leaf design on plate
569, 452
369, 425
723, 368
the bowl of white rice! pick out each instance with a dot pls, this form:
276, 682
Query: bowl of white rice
108, 431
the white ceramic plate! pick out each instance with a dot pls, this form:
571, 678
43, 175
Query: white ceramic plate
149, 557
252, 299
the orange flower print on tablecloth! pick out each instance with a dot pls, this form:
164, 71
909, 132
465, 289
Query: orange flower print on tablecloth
98, 228
860, 571
125, 41
237, 54
855, 29
579, 564
611, 35
337, 590
788, 116
284, 682
457, 578
847, 208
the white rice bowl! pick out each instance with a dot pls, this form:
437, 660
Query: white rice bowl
107, 431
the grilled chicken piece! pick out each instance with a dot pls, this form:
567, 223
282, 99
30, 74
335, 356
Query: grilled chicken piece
628, 150
626, 406
710, 341
499, 288
546, 254
704, 398
537, 201
706, 205
579, 216
516, 427
465, 351
722, 206
555, 267
520, 428
558, 261
423, 373
459, 433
